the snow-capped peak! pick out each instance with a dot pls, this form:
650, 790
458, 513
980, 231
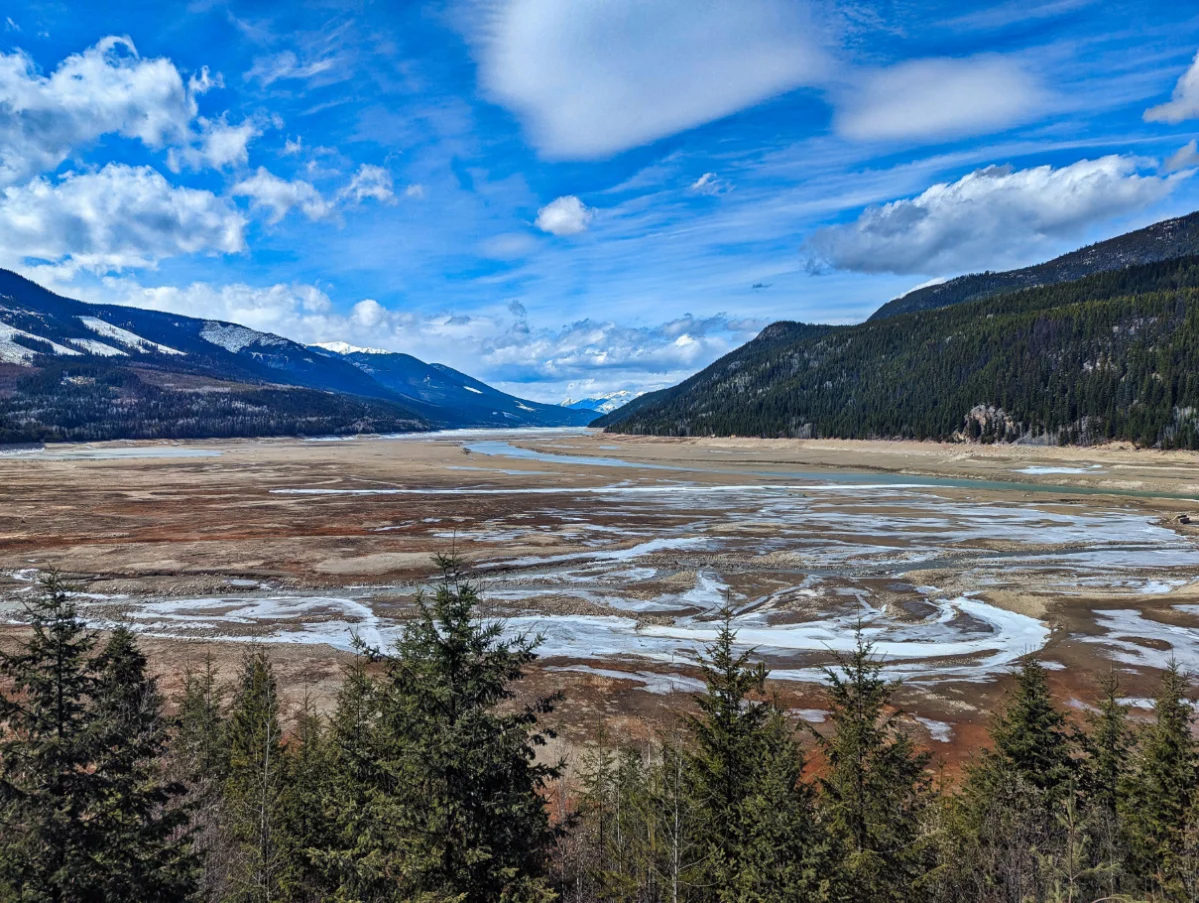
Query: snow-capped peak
604, 404
347, 348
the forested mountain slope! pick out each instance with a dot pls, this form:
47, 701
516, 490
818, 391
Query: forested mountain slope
76, 371
1167, 240
1110, 356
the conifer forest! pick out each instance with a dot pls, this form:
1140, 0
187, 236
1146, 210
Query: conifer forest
427, 781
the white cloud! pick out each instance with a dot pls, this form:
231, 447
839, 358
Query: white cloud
105, 89
120, 217
938, 98
369, 182
287, 66
498, 346
415, 190
993, 216
711, 184
1186, 157
564, 216
596, 77
218, 145
277, 196
1184, 103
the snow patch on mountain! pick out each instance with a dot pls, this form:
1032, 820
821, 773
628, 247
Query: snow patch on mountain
91, 346
234, 338
125, 337
12, 352
347, 348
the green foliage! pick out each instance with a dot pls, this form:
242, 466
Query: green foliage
875, 789
1162, 797
1111, 356
255, 785
85, 811
754, 819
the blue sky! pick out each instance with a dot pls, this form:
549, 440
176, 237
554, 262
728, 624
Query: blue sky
565, 197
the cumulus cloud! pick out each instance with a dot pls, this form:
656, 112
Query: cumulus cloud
938, 98
369, 182
499, 346
711, 184
594, 78
276, 196
120, 217
105, 89
1186, 157
1184, 103
993, 216
217, 145
564, 216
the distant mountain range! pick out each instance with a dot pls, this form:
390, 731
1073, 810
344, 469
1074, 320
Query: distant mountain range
1093, 346
76, 371
603, 404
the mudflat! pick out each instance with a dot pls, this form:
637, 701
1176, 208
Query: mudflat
955, 561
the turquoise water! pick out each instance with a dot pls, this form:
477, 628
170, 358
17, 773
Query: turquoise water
500, 448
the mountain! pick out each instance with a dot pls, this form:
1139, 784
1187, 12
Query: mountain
446, 388
76, 371
1110, 356
603, 404
1167, 240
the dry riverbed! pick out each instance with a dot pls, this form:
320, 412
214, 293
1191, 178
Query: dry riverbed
956, 561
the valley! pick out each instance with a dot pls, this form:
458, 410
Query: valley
955, 560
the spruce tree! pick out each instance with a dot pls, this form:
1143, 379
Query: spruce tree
744, 771
357, 862
462, 772
1108, 744
49, 789
1035, 738
146, 853
304, 825
200, 759
1164, 792
255, 784
875, 789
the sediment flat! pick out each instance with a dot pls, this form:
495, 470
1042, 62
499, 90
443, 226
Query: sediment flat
956, 561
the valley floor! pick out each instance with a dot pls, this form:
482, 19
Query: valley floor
955, 560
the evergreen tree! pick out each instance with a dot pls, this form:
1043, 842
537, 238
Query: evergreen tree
1164, 793
358, 862
875, 789
1034, 737
461, 774
304, 825
1108, 744
200, 759
49, 846
146, 849
744, 769
254, 787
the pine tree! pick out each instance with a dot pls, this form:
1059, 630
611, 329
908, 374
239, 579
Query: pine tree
1164, 792
48, 786
146, 853
254, 787
875, 789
